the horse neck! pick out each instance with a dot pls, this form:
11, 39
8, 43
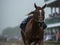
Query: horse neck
35, 25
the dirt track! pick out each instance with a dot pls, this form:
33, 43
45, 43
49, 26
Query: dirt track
19, 43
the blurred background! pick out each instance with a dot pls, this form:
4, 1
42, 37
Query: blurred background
13, 12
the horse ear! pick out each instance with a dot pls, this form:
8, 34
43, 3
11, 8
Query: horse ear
44, 6
35, 5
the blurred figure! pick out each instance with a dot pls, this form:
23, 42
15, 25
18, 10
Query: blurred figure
58, 36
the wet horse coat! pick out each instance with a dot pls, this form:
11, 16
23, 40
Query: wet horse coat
34, 30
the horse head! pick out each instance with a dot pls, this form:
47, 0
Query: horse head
38, 13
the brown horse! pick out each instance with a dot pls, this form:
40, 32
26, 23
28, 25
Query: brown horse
34, 30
